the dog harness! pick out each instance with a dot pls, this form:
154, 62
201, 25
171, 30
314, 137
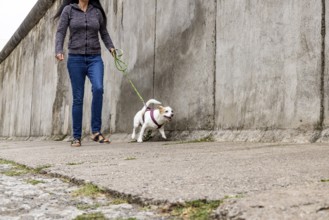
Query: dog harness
152, 117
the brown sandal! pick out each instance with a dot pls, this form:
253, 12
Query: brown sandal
76, 143
98, 137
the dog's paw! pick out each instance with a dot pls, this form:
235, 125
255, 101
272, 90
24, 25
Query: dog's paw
133, 136
140, 140
164, 137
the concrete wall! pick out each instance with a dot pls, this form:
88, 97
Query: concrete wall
134, 32
185, 61
269, 65
35, 95
250, 70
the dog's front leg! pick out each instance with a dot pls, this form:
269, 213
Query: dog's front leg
133, 134
162, 132
141, 133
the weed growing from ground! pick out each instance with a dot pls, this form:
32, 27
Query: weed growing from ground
118, 201
131, 158
198, 209
91, 216
88, 190
39, 169
18, 169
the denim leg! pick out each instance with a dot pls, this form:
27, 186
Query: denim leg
96, 76
77, 70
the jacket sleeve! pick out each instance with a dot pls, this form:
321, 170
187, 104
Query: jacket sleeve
104, 33
62, 29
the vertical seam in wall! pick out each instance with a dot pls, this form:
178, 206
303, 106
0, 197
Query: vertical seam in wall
155, 40
31, 114
122, 16
215, 68
323, 63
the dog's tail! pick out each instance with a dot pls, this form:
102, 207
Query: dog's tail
148, 103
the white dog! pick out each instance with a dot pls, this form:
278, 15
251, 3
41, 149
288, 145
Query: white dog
152, 118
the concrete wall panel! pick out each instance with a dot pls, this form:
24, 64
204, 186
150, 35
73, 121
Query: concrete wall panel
2, 104
23, 86
184, 69
132, 27
16, 101
45, 77
268, 64
6, 97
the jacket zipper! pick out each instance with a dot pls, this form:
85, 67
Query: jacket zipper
86, 32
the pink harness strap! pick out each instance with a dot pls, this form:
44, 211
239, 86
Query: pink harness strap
152, 117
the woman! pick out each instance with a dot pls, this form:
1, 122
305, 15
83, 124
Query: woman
85, 19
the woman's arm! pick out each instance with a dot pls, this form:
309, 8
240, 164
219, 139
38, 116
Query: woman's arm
105, 35
61, 32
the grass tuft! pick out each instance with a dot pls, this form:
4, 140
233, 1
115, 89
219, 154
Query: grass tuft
5, 162
198, 209
41, 168
91, 216
16, 169
34, 182
131, 158
88, 190
15, 172
118, 201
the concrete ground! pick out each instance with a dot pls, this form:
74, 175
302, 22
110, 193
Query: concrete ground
261, 181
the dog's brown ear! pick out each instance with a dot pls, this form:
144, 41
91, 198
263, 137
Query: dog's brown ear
161, 108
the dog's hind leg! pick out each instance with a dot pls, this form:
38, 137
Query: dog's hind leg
141, 133
136, 125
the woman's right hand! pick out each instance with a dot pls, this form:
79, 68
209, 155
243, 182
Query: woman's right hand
112, 51
60, 57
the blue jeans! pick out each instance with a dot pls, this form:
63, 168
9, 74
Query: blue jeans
80, 66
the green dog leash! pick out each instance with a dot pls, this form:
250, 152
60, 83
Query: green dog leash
123, 67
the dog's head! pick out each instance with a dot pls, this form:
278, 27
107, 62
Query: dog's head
166, 112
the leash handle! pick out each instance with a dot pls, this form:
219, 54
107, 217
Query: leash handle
119, 63
123, 67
